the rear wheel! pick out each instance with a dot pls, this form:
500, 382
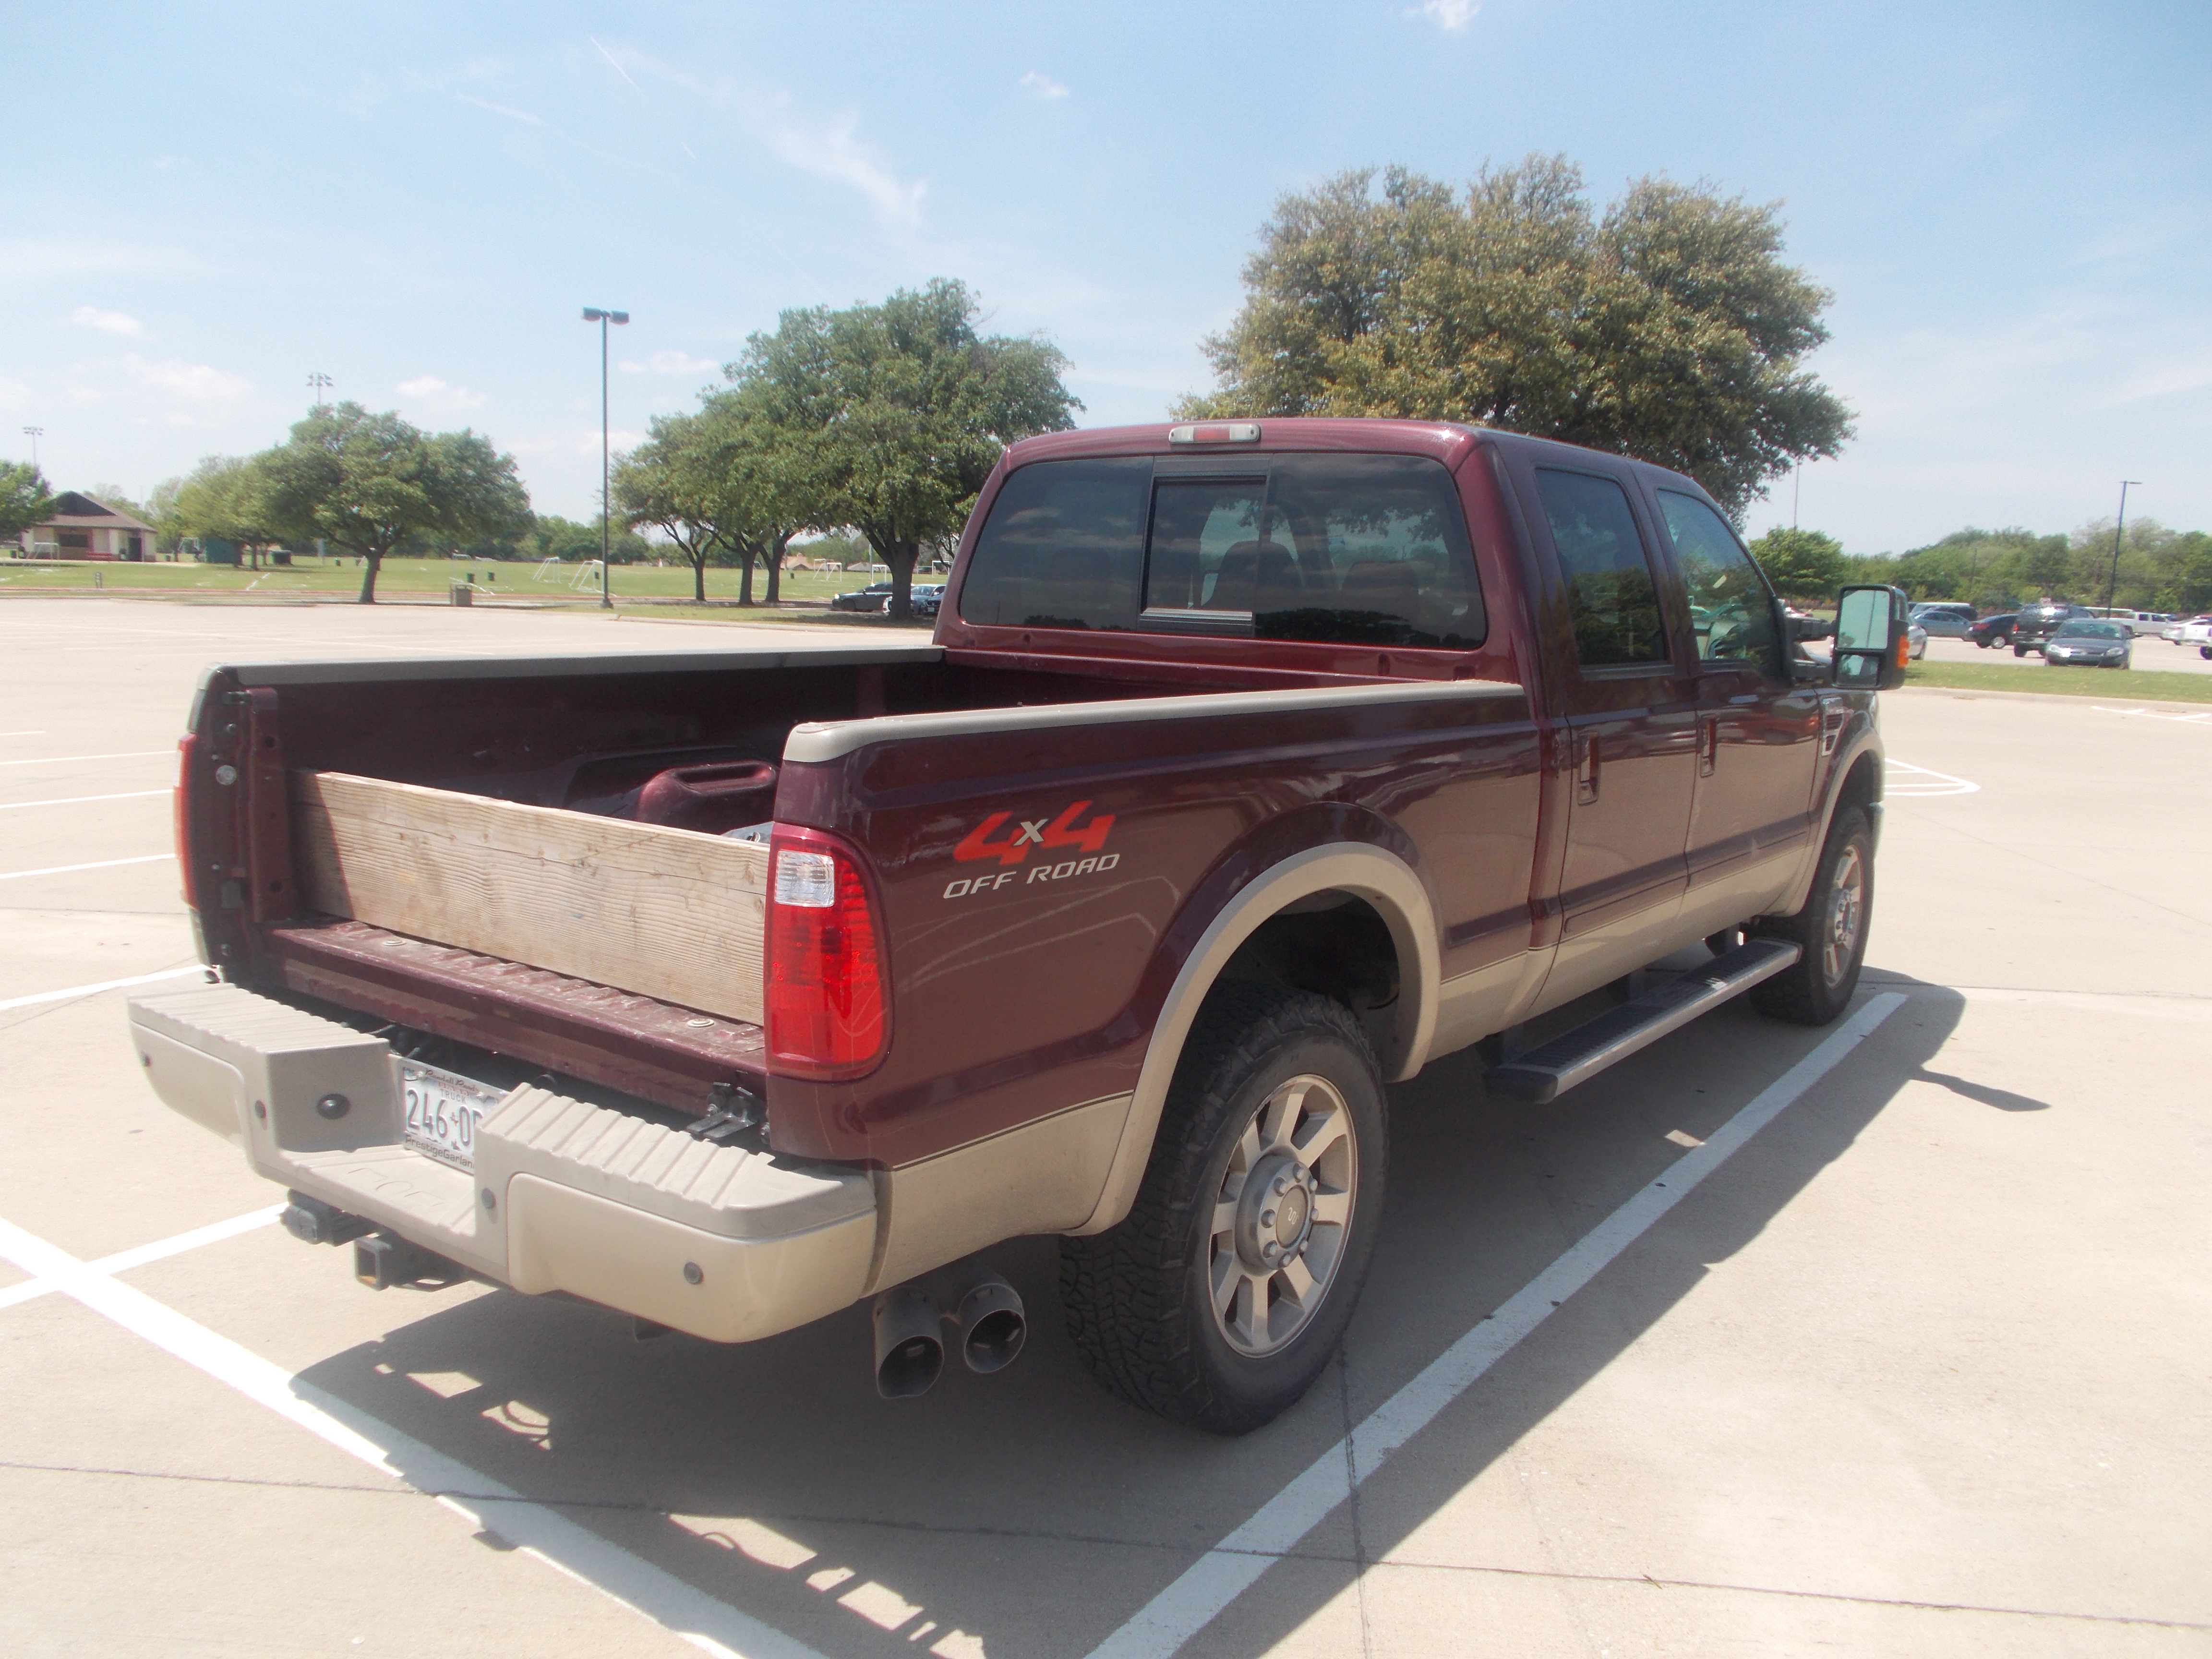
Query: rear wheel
1220, 1297
1831, 930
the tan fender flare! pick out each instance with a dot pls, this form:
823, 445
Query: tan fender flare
1381, 878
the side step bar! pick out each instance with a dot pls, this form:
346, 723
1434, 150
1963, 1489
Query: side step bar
1549, 1069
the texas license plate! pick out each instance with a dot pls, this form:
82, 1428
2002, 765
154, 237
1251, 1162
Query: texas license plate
442, 1112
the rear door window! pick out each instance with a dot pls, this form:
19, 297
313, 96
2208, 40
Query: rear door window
1611, 592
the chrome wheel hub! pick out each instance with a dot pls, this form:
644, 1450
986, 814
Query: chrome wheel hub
1282, 1215
1846, 911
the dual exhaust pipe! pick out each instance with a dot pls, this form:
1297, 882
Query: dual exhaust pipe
985, 1311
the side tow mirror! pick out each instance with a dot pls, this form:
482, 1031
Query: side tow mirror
1873, 643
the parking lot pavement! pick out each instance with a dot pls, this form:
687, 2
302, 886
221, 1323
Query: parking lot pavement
1914, 1366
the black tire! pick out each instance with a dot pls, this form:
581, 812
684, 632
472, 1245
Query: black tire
1137, 1297
2020, 651
1819, 986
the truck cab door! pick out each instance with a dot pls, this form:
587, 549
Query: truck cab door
1758, 733
1629, 705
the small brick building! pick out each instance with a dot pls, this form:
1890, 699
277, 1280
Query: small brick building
81, 528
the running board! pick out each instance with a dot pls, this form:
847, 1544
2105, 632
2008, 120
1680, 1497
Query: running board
1549, 1069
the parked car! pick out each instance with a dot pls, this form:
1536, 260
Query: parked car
2135, 621
1918, 637
2090, 643
1943, 622
2038, 623
926, 598
1993, 631
1107, 913
2197, 630
874, 597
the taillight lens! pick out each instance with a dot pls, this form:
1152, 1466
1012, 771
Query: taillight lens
827, 1006
185, 747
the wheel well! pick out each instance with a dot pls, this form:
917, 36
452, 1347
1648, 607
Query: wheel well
1862, 786
1332, 942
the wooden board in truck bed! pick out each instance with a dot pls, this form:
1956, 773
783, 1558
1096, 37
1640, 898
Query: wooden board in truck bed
671, 913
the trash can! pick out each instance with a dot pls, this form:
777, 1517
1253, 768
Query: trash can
464, 594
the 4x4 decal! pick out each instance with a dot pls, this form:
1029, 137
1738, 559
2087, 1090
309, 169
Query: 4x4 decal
1054, 833
1008, 839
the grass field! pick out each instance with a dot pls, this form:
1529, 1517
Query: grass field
2134, 685
404, 578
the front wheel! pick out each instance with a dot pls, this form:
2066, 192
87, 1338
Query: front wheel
1831, 930
1221, 1297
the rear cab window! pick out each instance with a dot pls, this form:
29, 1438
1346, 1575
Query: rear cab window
1612, 594
1345, 549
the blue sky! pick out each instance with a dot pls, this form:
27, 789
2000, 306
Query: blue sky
201, 206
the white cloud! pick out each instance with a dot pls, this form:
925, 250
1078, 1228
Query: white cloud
1453, 15
502, 109
1038, 85
670, 362
108, 322
433, 394
25, 261
831, 151
188, 383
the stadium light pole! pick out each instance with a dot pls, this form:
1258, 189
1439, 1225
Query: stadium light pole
2119, 524
319, 383
34, 433
602, 316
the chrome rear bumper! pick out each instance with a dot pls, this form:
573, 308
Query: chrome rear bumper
725, 1244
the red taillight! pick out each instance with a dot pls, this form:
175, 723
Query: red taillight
185, 747
827, 1008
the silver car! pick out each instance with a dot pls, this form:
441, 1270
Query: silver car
2087, 642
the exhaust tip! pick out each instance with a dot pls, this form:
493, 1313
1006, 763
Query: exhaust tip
909, 1354
992, 1326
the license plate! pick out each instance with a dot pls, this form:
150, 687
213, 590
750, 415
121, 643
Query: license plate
442, 1113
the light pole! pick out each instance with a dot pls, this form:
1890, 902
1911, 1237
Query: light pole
597, 314
2119, 525
34, 433
319, 383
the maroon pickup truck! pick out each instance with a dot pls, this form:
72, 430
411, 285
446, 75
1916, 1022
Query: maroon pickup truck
1252, 766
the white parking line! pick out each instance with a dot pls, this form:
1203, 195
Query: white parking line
81, 801
161, 1250
2157, 714
63, 760
74, 991
1918, 783
23, 734
486, 1503
1224, 1572
67, 869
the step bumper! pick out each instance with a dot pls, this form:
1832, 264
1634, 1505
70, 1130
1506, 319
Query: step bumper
725, 1244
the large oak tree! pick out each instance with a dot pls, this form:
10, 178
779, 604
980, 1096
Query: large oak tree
366, 482
1669, 329
889, 417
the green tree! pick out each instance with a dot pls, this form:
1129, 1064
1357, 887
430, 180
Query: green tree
671, 482
887, 418
366, 482
25, 500
1801, 564
227, 497
1670, 329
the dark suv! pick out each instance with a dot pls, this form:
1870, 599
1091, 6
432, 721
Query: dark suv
2038, 623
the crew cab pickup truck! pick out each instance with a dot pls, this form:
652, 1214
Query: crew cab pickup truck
1252, 767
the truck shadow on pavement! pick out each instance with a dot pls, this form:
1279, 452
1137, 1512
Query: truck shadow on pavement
1029, 1513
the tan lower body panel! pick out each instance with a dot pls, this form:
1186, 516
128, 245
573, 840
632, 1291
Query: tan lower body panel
726, 1290
1043, 1177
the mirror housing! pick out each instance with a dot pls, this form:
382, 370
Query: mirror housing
1872, 640
1810, 627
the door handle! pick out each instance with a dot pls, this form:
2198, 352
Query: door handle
1709, 744
1586, 772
